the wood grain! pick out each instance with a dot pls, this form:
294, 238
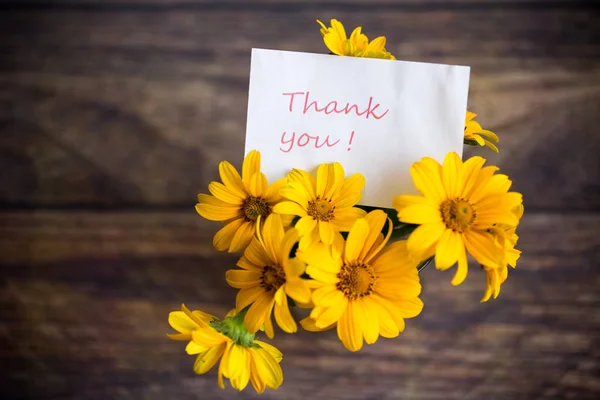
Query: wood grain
85, 295
120, 108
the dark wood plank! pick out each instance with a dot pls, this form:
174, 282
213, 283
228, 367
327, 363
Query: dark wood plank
84, 299
303, 3
122, 107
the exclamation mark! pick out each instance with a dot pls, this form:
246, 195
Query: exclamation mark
350, 142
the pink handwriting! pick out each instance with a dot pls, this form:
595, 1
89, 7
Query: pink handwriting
287, 144
332, 106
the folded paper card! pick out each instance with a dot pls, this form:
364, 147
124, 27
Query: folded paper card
376, 117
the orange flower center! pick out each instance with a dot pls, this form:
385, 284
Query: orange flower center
271, 278
320, 209
458, 214
356, 280
255, 207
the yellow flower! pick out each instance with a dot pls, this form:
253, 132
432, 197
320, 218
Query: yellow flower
325, 206
459, 204
507, 239
365, 290
243, 358
357, 46
269, 275
474, 133
238, 202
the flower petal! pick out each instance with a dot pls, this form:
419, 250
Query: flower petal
242, 237
290, 208
356, 240
448, 249
250, 166
232, 179
222, 239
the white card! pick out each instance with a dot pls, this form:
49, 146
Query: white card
376, 117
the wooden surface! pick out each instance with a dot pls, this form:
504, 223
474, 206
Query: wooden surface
114, 114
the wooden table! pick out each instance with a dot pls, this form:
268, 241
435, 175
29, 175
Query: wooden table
114, 114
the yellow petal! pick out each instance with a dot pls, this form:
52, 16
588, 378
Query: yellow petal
471, 169
426, 176
232, 179
258, 185
181, 322
284, 317
272, 195
268, 370
326, 232
424, 237
387, 326
218, 213
336, 181
248, 296
256, 255
376, 45
321, 275
463, 268
348, 198
242, 237
273, 238
353, 184
257, 383
221, 192
289, 207
344, 218
308, 324
239, 367
224, 236
257, 312
483, 247
286, 244
367, 320
356, 240
250, 166
448, 249
320, 256
324, 179
297, 289
242, 279
207, 360
452, 175
272, 350
410, 308
300, 178
333, 313
348, 330
305, 225
403, 201
420, 214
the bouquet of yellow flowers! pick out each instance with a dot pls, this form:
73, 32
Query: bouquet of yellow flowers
306, 243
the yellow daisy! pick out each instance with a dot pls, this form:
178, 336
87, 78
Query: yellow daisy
268, 276
243, 358
357, 45
459, 204
365, 290
238, 202
507, 239
474, 133
325, 205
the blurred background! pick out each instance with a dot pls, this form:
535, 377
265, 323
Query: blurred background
114, 115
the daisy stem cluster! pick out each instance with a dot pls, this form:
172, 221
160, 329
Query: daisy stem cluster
305, 241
